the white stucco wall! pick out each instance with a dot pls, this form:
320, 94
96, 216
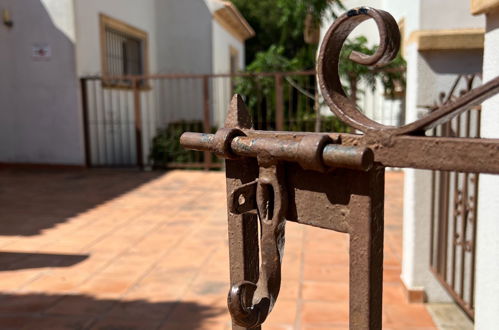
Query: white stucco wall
223, 41
448, 14
40, 120
416, 273
409, 11
62, 14
184, 37
487, 262
428, 74
185, 46
192, 42
139, 14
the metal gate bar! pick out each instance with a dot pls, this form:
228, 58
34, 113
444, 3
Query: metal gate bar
332, 181
454, 211
170, 103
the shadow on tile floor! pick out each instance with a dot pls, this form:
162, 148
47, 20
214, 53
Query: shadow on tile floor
37, 199
83, 312
18, 260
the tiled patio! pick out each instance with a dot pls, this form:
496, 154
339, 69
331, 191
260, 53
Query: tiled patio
124, 249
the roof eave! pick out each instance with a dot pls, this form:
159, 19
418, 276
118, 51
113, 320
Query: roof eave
233, 21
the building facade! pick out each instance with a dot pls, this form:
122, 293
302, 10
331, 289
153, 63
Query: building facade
48, 45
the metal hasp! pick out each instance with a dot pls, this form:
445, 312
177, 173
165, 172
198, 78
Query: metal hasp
332, 181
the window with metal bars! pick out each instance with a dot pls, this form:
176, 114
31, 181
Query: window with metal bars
124, 52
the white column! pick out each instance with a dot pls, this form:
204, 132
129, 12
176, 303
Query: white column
416, 274
487, 266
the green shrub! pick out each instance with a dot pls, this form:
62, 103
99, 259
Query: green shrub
166, 146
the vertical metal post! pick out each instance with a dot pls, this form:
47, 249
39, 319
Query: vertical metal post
476, 182
317, 109
138, 122
432, 218
366, 253
206, 118
243, 228
279, 103
86, 121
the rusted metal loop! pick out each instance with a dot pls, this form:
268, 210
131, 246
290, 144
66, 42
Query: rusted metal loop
329, 58
243, 315
222, 141
250, 303
311, 150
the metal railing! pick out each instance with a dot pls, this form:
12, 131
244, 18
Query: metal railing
139, 122
454, 198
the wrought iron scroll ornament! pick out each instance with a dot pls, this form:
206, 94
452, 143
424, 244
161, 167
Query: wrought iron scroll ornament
389, 34
328, 180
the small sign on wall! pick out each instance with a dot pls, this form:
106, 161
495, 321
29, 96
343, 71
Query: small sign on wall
41, 52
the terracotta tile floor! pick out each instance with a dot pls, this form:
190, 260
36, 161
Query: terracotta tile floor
123, 249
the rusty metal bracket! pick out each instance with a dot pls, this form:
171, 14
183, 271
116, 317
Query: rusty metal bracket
271, 202
328, 180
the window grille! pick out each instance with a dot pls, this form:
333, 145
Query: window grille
124, 53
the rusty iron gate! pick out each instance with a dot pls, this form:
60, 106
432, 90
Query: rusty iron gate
333, 181
454, 199
137, 120
124, 114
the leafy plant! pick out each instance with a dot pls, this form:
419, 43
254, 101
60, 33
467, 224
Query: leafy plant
279, 46
166, 148
391, 76
281, 23
352, 72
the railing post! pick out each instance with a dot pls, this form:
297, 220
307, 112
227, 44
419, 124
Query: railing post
317, 110
206, 118
279, 103
86, 122
138, 122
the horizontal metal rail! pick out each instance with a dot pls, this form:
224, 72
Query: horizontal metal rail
201, 76
468, 155
333, 155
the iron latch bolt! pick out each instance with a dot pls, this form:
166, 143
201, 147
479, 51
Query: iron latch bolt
317, 152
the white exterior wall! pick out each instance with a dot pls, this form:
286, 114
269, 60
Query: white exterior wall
140, 14
487, 267
416, 273
448, 15
184, 46
223, 41
428, 74
62, 14
407, 10
40, 121
184, 37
